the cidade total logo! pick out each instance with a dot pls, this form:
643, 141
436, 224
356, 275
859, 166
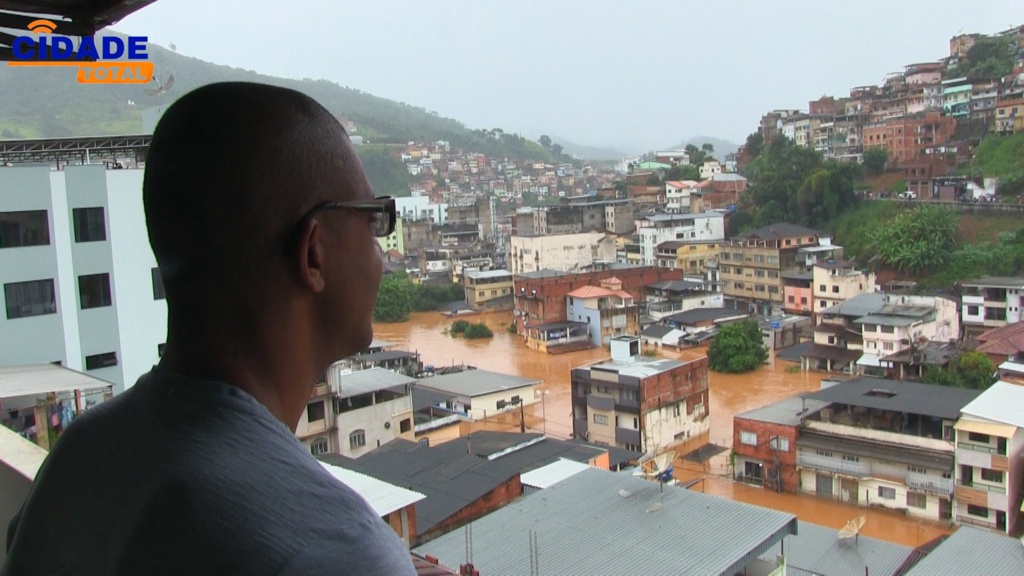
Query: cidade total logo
105, 60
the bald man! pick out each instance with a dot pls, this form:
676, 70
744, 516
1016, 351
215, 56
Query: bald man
263, 226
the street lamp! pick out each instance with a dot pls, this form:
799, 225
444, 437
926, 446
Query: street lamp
542, 394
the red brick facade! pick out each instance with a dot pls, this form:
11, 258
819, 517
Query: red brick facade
548, 303
689, 382
764, 451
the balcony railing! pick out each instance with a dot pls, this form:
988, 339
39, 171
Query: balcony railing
845, 467
978, 448
928, 483
566, 340
985, 487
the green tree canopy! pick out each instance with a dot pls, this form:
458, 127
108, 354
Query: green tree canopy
737, 348
394, 299
754, 144
973, 370
875, 159
477, 331
990, 58
918, 241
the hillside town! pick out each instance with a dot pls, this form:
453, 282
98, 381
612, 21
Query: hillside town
631, 273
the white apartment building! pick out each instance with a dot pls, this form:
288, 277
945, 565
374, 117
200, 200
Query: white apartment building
659, 227
677, 195
991, 302
562, 252
904, 321
79, 278
709, 169
352, 413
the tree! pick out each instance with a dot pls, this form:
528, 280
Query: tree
737, 348
918, 241
973, 370
545, 141
708, 147
755, 142
477, 331
557, 150
394, 299
875, 159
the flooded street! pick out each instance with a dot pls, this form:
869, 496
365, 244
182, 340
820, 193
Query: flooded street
729, 395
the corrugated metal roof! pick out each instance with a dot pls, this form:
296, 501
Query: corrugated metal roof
384, 498
818, 550
39, 379
548, 476
584, 526
993, 428
1000, 403
786, 412
973, 551
371, 380
475, 382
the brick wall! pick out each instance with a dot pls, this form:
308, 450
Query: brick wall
764, 452
549, 303
677, 384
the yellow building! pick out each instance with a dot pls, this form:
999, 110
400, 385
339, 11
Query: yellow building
486, 286
836, 281
396, 241
690, 257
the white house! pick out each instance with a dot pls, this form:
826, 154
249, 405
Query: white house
479, 394
677, 194
710, 168
991, 302
79, 278
563, 252
351, 413
659, 227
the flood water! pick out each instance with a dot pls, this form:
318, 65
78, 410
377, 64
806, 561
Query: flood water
729, 394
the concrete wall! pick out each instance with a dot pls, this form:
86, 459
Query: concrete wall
19, 462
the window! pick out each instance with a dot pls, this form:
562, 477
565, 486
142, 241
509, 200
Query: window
979, 438
357, 439
822, 302
821, 288
887, 329
30, 228
89, 226
404, 426
32, 298
677, 410
850, 458
759, 273
835, 289
601, 419
992, 475
158, 285
886, 493
791, 299
979, 511
780, 444
318, 446
803, 299
748, 438
94, 290
887, 346
825, 453
97, 361
868, 328
627, 394
315, 411
917, 500
917, 469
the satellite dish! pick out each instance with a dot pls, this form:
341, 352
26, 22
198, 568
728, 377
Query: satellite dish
852, 528
161, 88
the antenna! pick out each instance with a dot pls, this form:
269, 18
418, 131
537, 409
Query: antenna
852, 529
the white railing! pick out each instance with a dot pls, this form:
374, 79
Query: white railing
929, 483
887, 437
835, 466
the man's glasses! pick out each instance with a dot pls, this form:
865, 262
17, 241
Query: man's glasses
383, 209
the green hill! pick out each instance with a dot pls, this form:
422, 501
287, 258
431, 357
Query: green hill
49, 102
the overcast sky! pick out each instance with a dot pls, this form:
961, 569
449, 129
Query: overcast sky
630, 74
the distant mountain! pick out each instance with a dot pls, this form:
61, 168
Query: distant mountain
722, 147
588, 152
49, 102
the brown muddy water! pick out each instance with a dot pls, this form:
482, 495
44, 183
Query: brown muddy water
730, 394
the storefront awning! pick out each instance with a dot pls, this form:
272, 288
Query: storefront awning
989, 428
869, 360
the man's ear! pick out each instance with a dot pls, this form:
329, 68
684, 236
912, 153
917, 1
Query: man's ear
310, 256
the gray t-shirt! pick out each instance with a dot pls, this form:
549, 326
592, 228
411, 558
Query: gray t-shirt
180, 476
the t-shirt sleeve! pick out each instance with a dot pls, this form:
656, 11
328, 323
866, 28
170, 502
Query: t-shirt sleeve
370, 558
